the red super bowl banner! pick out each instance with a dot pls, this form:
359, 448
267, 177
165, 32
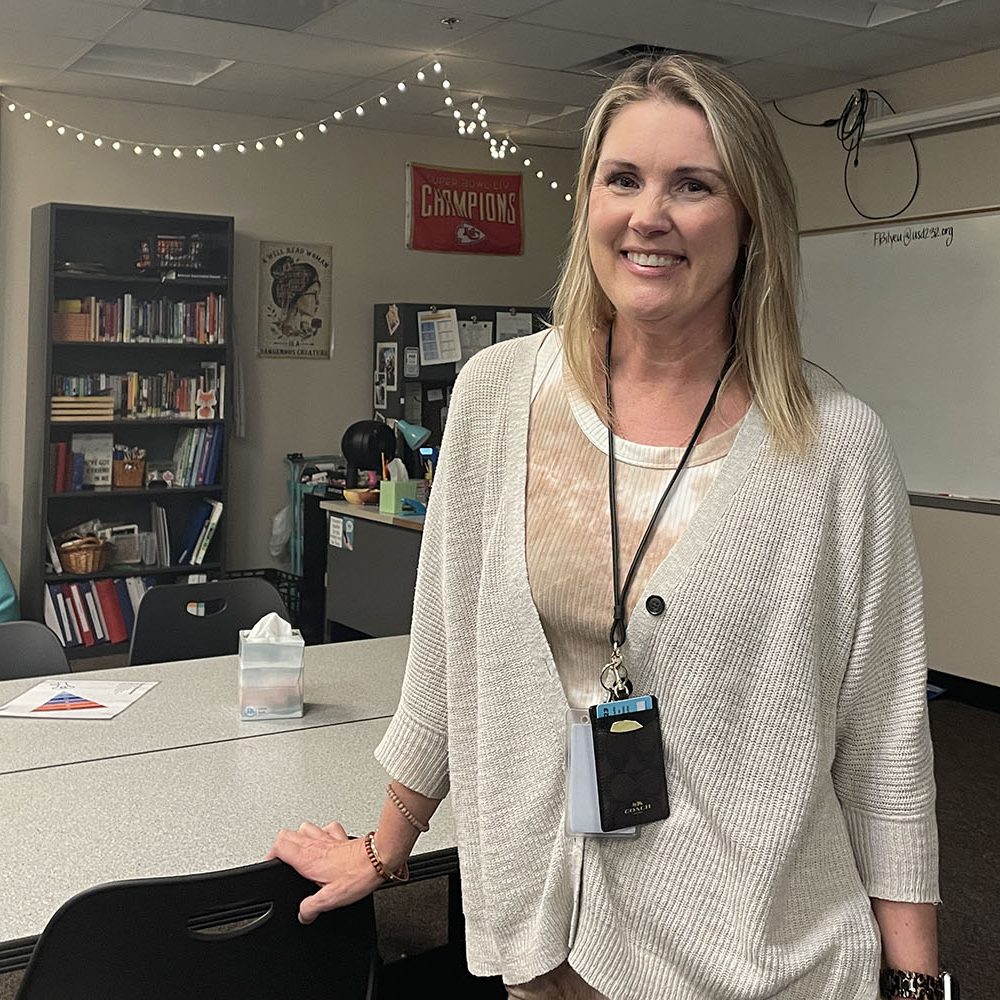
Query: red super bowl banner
462, 211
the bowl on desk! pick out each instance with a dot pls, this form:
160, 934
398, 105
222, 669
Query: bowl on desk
361, 496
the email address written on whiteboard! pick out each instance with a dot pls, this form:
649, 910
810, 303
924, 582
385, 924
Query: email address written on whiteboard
912, 234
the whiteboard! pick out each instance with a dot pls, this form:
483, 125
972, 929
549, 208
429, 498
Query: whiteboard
907, 317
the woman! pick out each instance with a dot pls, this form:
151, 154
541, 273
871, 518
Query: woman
773, 611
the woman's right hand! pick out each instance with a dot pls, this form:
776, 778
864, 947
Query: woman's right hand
332, 860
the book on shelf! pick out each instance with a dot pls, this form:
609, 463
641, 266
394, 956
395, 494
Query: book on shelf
192, 533
125, 603
53, 618
98, 452
93, 608
207, 532
125, 320
128, 395
111, 610
161, 528
53, 551
105, 610
80, 613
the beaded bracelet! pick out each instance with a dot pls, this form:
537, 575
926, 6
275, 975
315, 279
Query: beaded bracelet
403, 875
401, 806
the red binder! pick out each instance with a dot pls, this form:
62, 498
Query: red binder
108, 596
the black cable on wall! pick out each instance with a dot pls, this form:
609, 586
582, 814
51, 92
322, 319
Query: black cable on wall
850, 126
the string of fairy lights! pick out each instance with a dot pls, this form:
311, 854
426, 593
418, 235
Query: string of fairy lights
469, 125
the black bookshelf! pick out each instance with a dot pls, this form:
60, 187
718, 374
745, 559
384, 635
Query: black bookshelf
107, 242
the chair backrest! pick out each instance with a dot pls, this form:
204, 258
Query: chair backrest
30, 649
222, 934
165, 630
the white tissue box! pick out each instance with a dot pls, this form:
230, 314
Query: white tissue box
271, 681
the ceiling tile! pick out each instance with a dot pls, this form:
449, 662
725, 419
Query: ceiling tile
490, 78
278, 81
494, 8
417, 99
974, 23
264, 13
421, 26
731, 33
873, 53
173, 94
56, 17
18, 75
535, 45
771, 81
263, 45
33, 49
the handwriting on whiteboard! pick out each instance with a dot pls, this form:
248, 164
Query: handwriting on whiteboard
912, 234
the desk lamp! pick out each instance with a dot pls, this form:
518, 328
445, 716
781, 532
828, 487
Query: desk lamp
363, 445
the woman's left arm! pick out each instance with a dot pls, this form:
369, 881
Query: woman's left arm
909, 935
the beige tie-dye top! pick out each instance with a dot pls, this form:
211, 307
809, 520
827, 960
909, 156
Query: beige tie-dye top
568, 537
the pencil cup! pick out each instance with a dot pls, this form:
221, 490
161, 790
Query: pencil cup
126, 472
271, 676
393, 492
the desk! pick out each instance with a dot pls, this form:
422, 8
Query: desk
369, 586
196, 703
124, 800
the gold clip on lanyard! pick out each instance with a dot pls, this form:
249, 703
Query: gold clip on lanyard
614, 676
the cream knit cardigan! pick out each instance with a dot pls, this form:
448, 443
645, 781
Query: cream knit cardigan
789, 667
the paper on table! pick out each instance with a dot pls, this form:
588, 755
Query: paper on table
83, 699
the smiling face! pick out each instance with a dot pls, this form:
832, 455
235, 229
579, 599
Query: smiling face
664, 227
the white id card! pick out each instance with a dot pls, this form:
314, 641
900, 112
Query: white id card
583, 815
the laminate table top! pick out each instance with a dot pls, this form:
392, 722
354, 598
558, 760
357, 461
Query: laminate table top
181, 810
196, 703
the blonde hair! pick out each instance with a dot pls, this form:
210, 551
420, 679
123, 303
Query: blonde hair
764, 319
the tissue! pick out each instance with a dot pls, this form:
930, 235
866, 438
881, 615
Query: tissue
270, 626
397, 471
271, 670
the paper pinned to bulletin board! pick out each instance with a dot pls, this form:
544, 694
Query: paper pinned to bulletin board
510, 325
473, 338
439, 338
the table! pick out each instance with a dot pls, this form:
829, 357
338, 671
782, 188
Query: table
370, 585
195, 703
148, 800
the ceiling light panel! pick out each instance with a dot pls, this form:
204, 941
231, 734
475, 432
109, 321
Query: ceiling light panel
286, 15
182, 68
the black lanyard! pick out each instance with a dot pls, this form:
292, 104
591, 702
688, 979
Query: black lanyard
617, 635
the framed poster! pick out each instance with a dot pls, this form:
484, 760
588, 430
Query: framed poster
294, 299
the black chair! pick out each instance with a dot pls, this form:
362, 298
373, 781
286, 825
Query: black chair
30, 649
204, 937
165, 629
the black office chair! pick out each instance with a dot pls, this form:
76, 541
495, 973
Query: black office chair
165, 629
30, 649
222, 934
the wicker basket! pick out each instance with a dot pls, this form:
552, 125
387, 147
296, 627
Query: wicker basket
84, 555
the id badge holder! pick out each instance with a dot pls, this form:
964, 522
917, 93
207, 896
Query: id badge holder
583, 815
631, 777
